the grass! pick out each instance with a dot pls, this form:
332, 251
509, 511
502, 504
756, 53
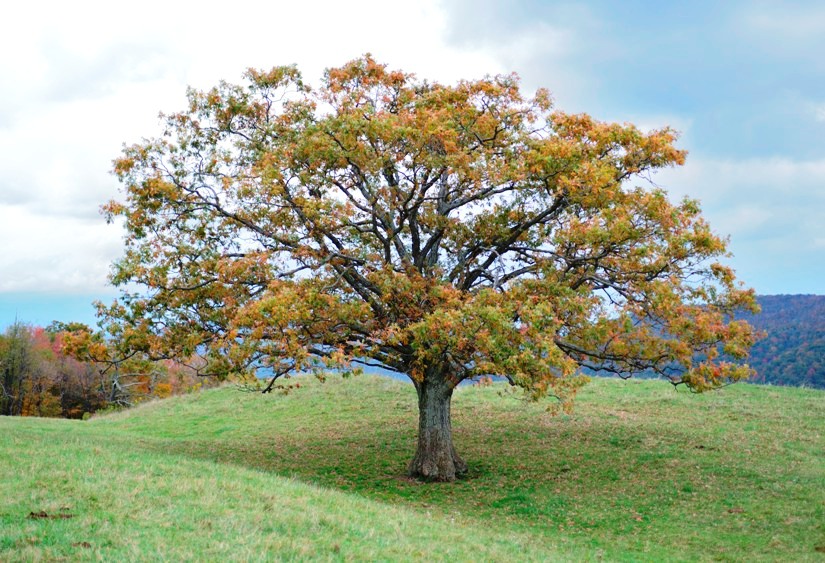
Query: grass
638, 472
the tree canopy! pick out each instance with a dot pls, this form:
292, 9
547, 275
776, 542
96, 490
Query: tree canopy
444, 231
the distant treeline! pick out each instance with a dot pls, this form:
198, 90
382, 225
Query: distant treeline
793, 351
39, 376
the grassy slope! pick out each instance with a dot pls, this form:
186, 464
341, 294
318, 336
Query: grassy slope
638, 472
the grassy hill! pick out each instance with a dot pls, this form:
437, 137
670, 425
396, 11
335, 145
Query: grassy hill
639, 471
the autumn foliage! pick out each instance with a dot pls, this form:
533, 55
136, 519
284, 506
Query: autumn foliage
448, 232
50, 372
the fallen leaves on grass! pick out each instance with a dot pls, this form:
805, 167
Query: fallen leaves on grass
82, 544
43, 515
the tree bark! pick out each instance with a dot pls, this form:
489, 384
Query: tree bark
435, 457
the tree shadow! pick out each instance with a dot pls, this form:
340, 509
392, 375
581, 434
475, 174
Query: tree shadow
538, 474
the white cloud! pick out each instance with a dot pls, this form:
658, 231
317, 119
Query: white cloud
546, 44
541, 53
783, 179
43, 253
772, 208
82, 78
786, 21
793, 32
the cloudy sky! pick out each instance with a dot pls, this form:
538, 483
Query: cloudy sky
744, 81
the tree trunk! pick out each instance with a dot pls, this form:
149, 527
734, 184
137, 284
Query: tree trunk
435, 458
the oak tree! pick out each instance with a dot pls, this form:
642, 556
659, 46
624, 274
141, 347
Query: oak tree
447, 232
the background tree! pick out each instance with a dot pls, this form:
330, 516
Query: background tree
30, 384
18, 367
42, 392
123, 378
68, 370
446, 232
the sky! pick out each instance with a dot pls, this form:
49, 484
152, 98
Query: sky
743, 82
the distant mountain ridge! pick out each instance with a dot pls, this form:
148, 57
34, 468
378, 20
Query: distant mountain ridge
793, 352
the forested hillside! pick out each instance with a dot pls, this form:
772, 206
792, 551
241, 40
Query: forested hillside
793, 351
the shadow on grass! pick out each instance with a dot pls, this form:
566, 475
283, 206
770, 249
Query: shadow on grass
568, 472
